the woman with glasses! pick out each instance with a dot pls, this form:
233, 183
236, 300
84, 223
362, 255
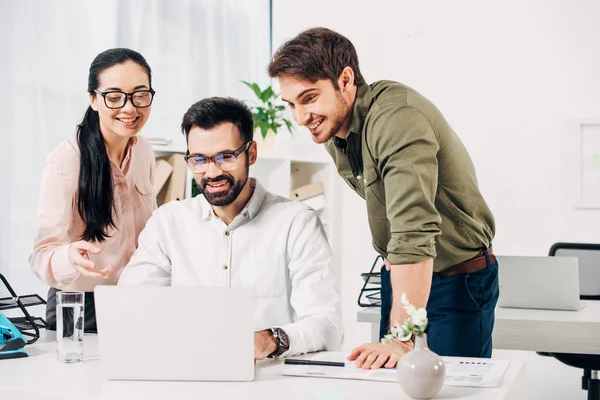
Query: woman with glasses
96, 192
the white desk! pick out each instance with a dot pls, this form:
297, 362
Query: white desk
40, 376
536, 330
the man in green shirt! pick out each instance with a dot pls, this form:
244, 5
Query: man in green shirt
427, 216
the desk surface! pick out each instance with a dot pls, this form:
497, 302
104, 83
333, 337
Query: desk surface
41, 376
536, 330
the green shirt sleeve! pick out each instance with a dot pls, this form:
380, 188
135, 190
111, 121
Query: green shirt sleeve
404, 147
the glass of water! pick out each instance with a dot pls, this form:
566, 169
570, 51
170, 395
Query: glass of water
69, 326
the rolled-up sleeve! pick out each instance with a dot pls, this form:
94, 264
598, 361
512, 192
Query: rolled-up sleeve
314, 296
50, 257
406, 147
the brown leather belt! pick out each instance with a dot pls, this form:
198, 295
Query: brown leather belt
467, 267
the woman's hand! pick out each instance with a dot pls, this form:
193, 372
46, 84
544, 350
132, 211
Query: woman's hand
79, 259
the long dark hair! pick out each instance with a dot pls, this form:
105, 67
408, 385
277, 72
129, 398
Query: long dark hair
95, 194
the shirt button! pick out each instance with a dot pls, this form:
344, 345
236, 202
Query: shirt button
358, 177
245, 214
227, 233
225, 267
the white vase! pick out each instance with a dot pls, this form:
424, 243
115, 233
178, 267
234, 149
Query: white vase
421, 372
266, 144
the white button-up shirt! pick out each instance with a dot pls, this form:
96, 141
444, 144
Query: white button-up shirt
275, 246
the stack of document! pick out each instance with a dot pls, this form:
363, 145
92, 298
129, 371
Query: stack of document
460, 371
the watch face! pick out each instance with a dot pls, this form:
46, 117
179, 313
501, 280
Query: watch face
284, 340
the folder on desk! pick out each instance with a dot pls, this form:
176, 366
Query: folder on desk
460, 371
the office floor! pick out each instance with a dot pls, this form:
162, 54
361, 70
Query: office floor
545, 377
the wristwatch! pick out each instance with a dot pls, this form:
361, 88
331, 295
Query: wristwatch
281, 340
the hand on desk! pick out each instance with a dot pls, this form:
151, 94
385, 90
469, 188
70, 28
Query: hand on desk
79, 259
264, 344
378, 355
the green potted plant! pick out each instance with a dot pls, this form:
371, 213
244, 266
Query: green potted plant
268, 116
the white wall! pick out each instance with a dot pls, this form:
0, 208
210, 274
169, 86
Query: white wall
507, 75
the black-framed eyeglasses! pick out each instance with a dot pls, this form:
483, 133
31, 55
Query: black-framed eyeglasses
116, 99
225, 161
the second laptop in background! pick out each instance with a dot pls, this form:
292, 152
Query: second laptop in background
547, 283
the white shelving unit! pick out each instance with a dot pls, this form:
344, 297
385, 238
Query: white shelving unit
282, 176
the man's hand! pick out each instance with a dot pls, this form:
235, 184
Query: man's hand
378, 355
264, 344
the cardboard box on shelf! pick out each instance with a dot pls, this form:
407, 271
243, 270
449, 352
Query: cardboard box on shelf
170, 178
306, 191
311, 195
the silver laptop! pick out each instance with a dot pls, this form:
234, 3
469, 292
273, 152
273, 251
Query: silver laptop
548, 283
175, 333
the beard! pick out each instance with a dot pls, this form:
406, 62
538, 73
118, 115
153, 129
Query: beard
223, 198
336, 123
336, 120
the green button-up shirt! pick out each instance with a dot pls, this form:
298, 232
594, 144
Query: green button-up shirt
416, 176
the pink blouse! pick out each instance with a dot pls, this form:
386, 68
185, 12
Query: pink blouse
58, 223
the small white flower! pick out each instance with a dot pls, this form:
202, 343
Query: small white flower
404, 335
387, 339
419, 317
404, 300
415, 323
410, 310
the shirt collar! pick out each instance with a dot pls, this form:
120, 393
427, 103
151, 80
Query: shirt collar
252, 207
256, 200
362, 102
128, 150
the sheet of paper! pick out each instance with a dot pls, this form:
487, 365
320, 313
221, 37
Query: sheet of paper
476, 372
473, 372
347, 372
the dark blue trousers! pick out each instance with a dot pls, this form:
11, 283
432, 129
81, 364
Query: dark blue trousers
460, 311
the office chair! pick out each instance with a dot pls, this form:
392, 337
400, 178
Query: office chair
588, 256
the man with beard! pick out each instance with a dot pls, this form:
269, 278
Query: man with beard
427, 216
239, 235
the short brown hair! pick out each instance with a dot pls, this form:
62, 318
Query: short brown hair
315, 54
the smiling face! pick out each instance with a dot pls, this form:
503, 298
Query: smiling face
127, 121
221, 188
324, 110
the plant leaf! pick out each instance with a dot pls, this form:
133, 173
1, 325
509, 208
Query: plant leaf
266, 95
264, 128
255, 88
276, 125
